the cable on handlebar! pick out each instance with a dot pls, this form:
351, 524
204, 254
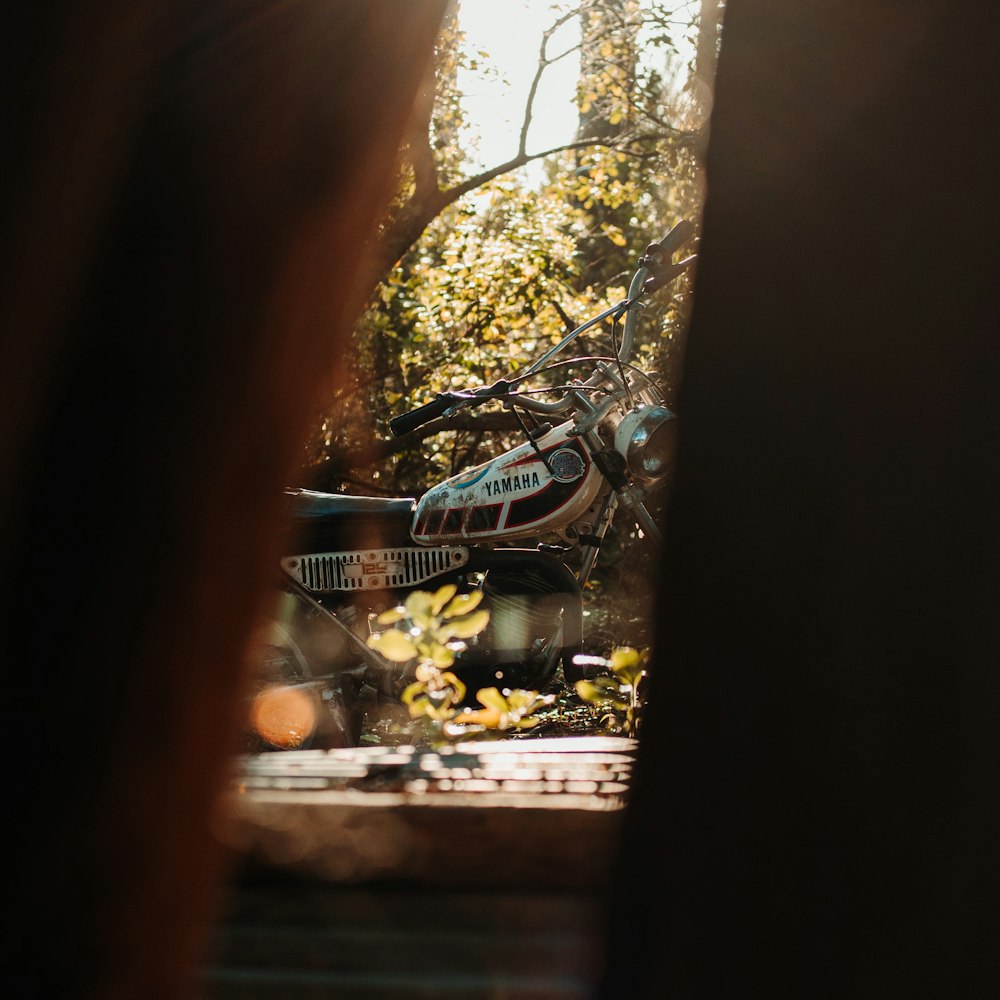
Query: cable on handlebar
446, 403
657, 259
621, 366
509, 404
662, 274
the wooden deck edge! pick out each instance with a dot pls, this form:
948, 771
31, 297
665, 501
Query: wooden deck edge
453, 839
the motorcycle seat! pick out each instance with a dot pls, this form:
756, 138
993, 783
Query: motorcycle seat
311, 504
338, 520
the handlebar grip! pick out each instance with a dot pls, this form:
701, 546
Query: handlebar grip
413, 419
662, 275
676, 238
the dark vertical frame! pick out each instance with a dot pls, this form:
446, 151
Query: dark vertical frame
189, 196
814, 815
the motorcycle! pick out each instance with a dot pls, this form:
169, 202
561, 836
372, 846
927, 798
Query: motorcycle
592, 447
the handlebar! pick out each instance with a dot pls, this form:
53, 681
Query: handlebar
445, 401
657, 257
663, 274
655, 270
674, 240
413, 419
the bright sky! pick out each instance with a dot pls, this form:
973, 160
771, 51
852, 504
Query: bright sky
510, 31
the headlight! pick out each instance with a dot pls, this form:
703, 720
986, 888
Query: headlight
647, 438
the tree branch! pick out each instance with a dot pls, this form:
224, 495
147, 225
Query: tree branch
484, 177
543, 63
429, 199
379, 451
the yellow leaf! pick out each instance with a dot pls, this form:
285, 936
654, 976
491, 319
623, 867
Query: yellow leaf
488, 717
419, 603
457, 686
411, 692
623, 658
526, 723
527, 701
440, 656
465, 628
442, 597
492, 698
597, 691
463, 604
394, 645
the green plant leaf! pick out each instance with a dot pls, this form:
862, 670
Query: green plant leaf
521, 700
463, 604
440, 656
441, 705
482, 718
394, 645
412, 692
627, 664
441, 597
419, 604
623, 658
492, 698
611, 723
456, 684
465, 628
597, 691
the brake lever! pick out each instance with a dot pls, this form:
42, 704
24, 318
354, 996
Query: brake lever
663, 272
498, 390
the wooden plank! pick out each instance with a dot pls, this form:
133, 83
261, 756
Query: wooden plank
549, 809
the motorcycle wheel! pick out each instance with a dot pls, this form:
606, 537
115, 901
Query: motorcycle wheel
525, 619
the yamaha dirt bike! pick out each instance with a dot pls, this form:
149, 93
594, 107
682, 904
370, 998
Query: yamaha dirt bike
592, 447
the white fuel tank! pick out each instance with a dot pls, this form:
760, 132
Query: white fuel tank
517, 495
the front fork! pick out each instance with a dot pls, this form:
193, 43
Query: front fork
629, 498
625, 492
592, 542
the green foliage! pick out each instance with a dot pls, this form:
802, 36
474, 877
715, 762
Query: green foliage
619, 695
431, 628
491, 276
505, 710
482, 268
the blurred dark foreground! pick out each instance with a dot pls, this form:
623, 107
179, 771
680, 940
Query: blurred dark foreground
188, 189
474, 871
